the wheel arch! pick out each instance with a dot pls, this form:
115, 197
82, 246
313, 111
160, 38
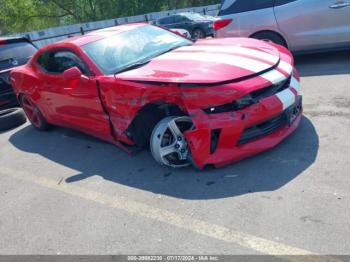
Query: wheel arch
279, 34
147, 117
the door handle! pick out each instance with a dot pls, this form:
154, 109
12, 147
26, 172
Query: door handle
339, 5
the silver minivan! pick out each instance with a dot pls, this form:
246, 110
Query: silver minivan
300, 25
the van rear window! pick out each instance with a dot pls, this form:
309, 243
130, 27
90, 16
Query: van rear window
238, 6
12, 54
16, 50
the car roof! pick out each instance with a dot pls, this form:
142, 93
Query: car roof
100, 34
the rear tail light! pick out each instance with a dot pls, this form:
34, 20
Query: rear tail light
219, 24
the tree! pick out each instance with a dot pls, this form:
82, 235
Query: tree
28, 15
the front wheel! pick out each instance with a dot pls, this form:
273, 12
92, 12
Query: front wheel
198, 33
33, 113
168, 144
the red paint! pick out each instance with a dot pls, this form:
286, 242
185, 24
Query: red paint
72, 101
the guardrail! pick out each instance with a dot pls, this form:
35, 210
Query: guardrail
51, 35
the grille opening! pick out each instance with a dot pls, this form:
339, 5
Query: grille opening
263, 129
271, 90
267, 127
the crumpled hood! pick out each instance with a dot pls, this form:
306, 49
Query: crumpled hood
208, 61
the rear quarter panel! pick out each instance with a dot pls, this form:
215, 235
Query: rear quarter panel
25, 82
247, 23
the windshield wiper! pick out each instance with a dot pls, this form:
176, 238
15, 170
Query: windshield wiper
133, 66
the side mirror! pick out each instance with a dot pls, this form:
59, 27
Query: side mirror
72, 73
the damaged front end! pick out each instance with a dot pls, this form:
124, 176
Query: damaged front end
250, 118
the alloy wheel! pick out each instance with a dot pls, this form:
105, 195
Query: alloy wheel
168, 144
31, 111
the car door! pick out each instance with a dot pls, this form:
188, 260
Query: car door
74, 103
314, 24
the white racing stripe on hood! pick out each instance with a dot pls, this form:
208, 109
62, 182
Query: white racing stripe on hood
234, 50
244, 51
238, 61
288, 68
287, 98
273, 76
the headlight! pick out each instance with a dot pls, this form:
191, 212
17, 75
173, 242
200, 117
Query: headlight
219, 109
238, 104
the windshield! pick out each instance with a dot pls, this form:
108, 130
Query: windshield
123, 50
12, 54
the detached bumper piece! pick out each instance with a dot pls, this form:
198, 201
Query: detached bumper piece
287, 117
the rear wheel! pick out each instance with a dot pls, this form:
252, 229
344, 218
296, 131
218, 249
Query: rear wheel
168, 144
271, 36
34, 115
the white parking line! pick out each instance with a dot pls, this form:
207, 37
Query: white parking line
194, 225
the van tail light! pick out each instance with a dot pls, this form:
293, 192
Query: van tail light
219, 24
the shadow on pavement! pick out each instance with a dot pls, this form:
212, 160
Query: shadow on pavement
331, 63
90, 157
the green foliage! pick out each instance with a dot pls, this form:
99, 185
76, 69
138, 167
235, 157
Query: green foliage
28, 15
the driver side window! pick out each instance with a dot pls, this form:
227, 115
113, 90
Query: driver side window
56, 62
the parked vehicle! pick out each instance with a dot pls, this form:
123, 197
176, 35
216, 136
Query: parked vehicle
14, 52
207, 103
198, 25
300, 25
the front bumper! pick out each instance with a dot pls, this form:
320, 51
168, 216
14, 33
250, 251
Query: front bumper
229, 137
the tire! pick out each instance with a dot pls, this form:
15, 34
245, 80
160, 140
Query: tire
271, 36
198, 33
168, 144
11, 118
143, 125
34, 115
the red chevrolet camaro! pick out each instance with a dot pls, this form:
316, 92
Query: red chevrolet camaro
212, 102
